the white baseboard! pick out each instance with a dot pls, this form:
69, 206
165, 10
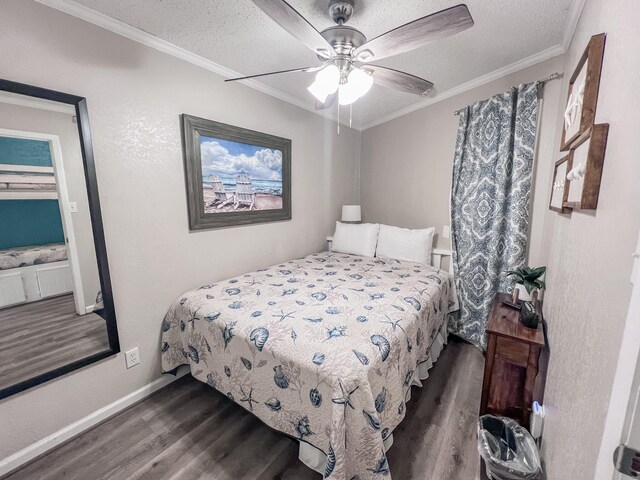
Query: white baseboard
47, 443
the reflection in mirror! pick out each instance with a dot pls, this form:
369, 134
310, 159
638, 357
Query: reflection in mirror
51, 310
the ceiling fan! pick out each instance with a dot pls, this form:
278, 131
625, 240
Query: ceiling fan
345, 52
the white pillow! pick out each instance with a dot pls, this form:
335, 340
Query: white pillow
355, 238
405, 244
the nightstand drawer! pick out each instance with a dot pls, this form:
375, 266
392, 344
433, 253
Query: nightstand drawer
512, 351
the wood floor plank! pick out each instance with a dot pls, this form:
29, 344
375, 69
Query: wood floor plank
40, 336
189, 431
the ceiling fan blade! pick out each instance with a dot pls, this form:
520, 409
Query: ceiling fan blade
305, 69
294, 23
405, 82
417, 33
328, 103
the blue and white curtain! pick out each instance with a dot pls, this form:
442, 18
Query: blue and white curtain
490, 196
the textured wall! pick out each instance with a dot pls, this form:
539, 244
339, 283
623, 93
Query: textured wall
589, 255
407, 162
135, 95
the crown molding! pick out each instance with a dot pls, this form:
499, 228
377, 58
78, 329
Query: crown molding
476, 82
116, 26
132, 33
575, 11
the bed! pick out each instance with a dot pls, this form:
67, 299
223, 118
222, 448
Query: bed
324, 348
26, 256
29, 274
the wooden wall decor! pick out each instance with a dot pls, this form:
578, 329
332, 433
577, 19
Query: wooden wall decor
582, 98
560, 187
586, 160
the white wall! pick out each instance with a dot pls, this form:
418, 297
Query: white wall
589, 254
407, 162
135, 96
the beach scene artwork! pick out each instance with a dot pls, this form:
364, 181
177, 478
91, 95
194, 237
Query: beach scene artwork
239, 177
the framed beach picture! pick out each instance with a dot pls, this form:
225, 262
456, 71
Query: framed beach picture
234, 176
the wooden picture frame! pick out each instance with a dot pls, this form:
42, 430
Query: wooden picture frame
582, 97
230, 190
586, 162
560, 186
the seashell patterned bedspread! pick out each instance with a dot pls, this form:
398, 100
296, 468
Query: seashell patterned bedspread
25, 256
322, 348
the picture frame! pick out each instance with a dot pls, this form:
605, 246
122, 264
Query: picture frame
582, 96
586, 161
560, 186
234, 176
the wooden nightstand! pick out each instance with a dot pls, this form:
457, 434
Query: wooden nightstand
514, 374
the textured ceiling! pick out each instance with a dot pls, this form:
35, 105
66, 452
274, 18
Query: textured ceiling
239, 36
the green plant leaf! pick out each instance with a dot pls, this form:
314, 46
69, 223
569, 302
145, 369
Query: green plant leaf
541, 284
540, 271
529, 285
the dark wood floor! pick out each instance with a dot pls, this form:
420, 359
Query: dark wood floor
40, 336
188, 431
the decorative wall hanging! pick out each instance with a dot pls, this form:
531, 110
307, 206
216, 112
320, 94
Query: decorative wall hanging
234, 176
582, 97
560, 187
586, 160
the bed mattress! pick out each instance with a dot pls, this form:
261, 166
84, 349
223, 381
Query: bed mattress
25, 256
323, 348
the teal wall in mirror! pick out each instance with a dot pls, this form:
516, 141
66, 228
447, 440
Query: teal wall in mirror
32, 222
20, 151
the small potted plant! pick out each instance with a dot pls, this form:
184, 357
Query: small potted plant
528, 283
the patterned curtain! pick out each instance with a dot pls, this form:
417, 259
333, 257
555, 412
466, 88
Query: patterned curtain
490, 201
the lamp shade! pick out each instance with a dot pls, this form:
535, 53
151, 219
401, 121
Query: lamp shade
351, 213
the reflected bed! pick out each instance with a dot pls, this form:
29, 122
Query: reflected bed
38, 255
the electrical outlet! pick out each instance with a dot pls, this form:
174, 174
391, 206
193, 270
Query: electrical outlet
446, 231
132, 357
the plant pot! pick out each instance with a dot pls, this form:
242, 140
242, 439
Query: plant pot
528, 315
530, 322
522, 293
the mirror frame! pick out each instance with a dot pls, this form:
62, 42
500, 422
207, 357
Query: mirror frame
108, 311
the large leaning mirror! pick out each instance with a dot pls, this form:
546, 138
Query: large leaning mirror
56, 307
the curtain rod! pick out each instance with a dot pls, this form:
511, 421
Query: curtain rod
553, 76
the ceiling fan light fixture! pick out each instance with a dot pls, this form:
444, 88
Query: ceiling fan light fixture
358, 84
361, 79
326, 83
365, 56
